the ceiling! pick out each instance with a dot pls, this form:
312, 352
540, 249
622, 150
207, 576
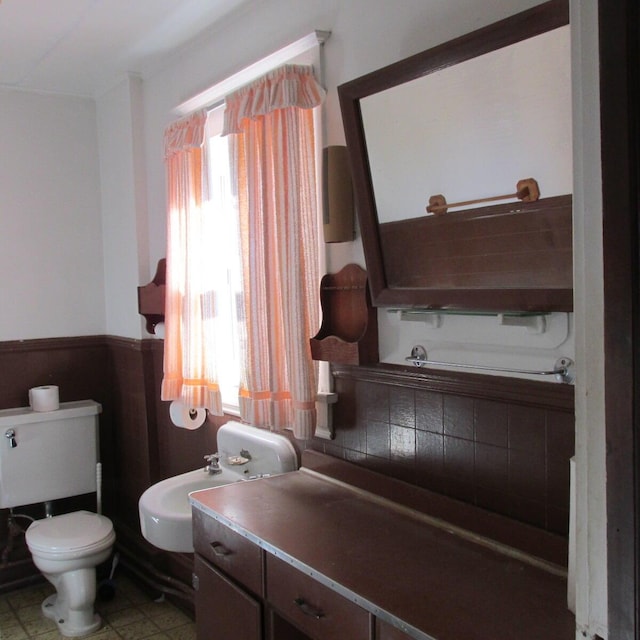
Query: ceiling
81, 47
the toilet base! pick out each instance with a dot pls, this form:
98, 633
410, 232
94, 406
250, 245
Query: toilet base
76, 623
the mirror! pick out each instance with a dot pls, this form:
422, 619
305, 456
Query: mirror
468, 119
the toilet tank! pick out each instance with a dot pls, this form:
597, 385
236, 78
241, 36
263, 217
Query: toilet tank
54, 453
269, 453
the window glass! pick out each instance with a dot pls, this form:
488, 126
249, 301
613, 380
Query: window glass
222, 229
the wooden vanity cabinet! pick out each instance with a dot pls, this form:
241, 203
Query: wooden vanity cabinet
270, 567
223, 609
232, 603
228, 581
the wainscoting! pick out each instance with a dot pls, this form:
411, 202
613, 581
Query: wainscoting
497, 443
138, 443
80, 367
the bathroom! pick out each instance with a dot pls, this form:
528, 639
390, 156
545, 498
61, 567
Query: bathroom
74, 320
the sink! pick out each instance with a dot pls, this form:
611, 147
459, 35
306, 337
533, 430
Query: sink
165, 512
245, 452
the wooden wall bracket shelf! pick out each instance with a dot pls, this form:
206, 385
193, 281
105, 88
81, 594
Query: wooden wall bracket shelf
151, 298
349, 330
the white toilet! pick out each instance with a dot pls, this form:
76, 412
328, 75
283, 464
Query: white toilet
45, 456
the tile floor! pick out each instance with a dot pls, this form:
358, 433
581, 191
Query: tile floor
130, 615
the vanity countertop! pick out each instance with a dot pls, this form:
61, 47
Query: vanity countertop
419, 575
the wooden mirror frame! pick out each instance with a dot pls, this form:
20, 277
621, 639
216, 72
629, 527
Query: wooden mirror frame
555, 297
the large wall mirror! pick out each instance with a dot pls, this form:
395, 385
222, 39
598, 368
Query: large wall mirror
469, 119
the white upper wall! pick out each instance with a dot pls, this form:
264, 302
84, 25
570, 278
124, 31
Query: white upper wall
50, 230
124, 220
365, 35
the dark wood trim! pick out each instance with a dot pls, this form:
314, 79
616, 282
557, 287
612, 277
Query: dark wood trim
547, 395
126, 343
49, 344
521, 26
620, 106
80, 342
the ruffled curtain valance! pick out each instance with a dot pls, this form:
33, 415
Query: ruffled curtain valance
187, 133
288, 86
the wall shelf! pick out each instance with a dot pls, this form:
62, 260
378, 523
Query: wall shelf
349, 330
151, 298
533, 322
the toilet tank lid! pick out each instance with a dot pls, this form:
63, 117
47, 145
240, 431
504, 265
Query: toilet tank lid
26, 415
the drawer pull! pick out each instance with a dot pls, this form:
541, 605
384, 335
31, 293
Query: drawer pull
219, 549
307, 609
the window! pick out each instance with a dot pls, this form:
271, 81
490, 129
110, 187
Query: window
223, 235
243, 254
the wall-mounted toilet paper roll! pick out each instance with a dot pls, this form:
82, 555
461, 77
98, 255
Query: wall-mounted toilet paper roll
186, 417
45, 398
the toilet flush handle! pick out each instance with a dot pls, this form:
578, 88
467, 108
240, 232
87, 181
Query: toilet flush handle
10, 435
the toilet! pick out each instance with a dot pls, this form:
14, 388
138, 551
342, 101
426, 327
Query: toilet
46, 456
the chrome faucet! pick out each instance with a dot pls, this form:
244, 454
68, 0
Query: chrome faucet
10, 435
213, 463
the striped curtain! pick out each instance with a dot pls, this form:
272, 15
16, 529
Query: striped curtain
274, 160
189, 346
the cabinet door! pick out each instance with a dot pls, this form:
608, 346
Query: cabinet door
224, 611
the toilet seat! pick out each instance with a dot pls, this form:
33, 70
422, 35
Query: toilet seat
70, 535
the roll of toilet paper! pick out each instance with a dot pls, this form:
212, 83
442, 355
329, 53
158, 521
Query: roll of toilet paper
45, 398
186, 417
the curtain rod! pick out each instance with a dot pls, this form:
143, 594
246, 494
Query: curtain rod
214, 96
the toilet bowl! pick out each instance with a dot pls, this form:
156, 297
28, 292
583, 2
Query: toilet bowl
67, 549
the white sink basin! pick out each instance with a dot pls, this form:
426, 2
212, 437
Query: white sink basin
165, 512
244, 451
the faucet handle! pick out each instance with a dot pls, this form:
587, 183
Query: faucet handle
213, 465
10, 435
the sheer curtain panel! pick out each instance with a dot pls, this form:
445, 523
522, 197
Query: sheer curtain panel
274, 161
189, 347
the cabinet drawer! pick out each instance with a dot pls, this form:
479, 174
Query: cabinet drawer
313, 608
385, 631
238, 557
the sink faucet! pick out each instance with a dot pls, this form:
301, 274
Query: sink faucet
213, 463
